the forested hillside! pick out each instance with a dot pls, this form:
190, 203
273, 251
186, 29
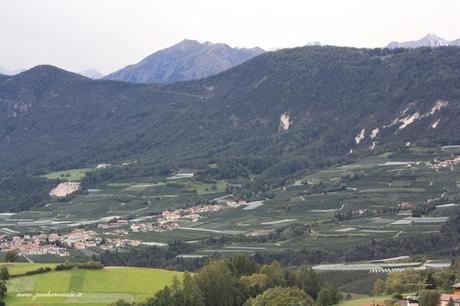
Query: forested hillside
275, 115
23, 192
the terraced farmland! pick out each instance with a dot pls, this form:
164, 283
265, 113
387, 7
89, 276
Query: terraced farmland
374, 190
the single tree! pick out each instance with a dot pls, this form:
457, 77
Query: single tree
161, 298
219, 286
121, 303
11, 256
257, 282
309, 281
4, 274
430, 282
191, 292
242, 265
176, 293
379, 287
280, 296
275, 273
429, 298
3, 289
328, 296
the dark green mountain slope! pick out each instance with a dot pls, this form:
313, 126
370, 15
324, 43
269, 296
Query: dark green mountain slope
280, 112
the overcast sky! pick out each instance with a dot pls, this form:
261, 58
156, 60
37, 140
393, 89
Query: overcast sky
109, 34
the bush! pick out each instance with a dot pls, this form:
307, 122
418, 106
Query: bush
64, 266
328, 296
83, 265
90, 265
429, 298
38, 271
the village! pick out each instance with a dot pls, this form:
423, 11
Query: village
55, 244
80, 238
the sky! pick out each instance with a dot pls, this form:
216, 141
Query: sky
109, 34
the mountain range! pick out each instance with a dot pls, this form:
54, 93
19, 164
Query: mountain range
277, 114
430, 40
186, 60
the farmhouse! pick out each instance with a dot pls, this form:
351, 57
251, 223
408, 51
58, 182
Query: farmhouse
409, 301
170, 216
455, 296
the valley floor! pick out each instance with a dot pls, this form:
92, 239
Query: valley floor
375, 198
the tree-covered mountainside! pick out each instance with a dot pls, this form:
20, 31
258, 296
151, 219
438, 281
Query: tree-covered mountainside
187, 60
277, 114
23, 192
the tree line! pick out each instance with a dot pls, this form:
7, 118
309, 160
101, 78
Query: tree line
240, 281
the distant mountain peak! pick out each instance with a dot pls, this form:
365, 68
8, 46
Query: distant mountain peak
48, 73
49, 70
186, 60
6, 71
429, 40
313, 43
91, 73
432, 36
44, 68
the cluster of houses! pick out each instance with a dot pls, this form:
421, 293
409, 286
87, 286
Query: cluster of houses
32, 245
112, 244
55, 244
450, 163
193, 213
446, 299
79, 239
42, 244
153, 227
167, 221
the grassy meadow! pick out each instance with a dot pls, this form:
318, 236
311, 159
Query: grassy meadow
368, 300
69, 175
89, 287
21, 268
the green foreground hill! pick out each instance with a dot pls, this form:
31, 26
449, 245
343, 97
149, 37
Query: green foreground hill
90, 287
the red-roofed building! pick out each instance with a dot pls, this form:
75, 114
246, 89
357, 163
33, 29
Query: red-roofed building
445, 298
455, 297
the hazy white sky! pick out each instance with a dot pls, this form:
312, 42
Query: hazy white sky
109, 34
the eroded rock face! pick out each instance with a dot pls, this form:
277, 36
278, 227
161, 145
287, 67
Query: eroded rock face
360, 136
284, 122
64, 189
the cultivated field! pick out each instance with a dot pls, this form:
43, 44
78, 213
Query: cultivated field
373, 183
88, 287
69, 175
21, 268
371, 300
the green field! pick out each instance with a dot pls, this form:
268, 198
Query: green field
21, 268
365, 300
89, 287
210, 188
69, 175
